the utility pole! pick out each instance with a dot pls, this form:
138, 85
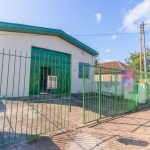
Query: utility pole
141, 50
142, 37
145, 65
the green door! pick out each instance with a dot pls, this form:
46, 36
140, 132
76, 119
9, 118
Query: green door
59, 65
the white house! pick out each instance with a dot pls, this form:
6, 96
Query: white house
29, 54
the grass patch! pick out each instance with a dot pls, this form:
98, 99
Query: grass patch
33, 139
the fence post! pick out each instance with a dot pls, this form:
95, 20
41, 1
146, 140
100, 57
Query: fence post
1, 73
83, 96
136, 85
115, 96
99, 92
70, 80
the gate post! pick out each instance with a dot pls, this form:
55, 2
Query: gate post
99, 93
83, 96
115, 96
70, 86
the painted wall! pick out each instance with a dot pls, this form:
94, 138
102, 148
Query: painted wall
108, 77
109, 88
142, 92
22, 42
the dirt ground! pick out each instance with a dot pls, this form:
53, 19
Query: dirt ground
128, 131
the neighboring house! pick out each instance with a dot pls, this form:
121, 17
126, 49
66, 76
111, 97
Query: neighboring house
52, 45
108, 75
111, 77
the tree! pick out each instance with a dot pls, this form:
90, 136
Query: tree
96, 61
133, 60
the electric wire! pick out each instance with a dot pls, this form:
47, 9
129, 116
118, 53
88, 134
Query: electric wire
130, 49
92, 34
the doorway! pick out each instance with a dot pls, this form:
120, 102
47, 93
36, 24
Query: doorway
52, 63
45, 71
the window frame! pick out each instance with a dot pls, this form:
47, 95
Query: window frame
82, 70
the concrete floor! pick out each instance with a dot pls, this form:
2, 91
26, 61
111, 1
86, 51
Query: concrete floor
128, 131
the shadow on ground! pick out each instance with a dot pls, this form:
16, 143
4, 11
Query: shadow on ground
40, 143
133, 142
2, 108
129, 131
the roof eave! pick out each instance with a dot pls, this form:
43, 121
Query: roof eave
10, 27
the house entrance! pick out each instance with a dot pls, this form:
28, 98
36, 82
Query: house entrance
45, 71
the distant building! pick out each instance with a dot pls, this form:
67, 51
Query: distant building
111, 69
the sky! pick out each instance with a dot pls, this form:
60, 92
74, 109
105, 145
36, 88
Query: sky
110, 27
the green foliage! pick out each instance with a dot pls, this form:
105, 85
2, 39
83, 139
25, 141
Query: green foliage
133, 60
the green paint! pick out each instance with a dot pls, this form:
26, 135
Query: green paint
115, 96
11, 27
100, 93
33, 115
83, 97
106, 102
60, 65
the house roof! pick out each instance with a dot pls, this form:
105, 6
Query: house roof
114, 66
11, 27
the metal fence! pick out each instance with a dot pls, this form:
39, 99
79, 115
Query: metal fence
105, 95
27, 106
35, 93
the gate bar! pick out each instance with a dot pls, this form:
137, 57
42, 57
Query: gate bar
83, 111
99, 94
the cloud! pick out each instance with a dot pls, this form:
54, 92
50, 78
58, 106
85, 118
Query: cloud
114, 37
108, 60
107, 50
98, 17
123, 11
135, 16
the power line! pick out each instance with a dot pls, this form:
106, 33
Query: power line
104, 34
97, 34
107, 34
94, 34
131, 48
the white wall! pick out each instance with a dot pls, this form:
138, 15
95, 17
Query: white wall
23, 42
142, 92
109, 88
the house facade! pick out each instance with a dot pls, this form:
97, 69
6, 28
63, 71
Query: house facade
29, 55
111, 71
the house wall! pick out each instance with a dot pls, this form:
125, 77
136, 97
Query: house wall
109, 88
22, 42
107, 77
